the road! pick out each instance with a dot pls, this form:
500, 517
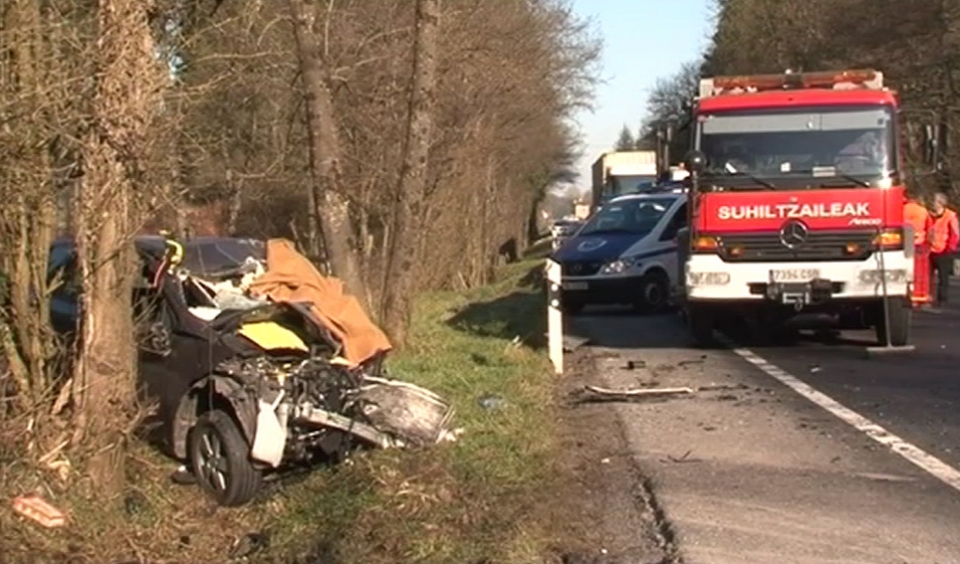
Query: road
802, 453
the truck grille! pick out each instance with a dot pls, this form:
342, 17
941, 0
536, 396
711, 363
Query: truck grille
580, 268
819, 246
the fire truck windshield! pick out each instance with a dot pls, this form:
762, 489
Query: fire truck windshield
798, 147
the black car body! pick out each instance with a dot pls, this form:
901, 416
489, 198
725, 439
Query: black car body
228, 405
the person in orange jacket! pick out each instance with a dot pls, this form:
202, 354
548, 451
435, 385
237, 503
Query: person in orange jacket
917, 216
944, 238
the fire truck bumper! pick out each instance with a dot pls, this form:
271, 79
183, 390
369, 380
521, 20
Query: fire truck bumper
708, 278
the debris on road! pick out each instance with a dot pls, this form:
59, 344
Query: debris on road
693, 361
571, 343
682, 459
589, 394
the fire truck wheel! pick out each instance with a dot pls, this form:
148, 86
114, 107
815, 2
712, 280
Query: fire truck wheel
700, 322
899, 315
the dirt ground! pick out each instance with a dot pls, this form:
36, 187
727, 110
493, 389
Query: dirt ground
609, 499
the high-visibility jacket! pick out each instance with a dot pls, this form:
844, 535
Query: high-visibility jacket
917, 216
944, 233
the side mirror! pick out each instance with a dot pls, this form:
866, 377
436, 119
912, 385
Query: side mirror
695, 161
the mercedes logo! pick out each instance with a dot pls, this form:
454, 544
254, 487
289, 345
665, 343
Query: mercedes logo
576, 268
793, 234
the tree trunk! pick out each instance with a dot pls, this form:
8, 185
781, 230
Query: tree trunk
126, 99
332, 206
399, 282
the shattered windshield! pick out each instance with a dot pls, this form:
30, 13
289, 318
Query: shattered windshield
635, 215
780, 147
213, 256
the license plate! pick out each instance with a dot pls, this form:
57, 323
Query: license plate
794, 275
574, 285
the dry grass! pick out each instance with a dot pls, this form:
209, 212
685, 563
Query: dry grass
491, 497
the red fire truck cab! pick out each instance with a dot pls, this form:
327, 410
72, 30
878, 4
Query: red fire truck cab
798, 198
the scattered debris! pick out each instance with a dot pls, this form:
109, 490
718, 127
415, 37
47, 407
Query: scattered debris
248, 545
572, 343
682, 459
693, 361
34, 507
634, 364
723, 388
814, 368
492, 402
598, 394
183, 476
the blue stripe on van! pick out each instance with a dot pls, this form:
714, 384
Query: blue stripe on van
658, 252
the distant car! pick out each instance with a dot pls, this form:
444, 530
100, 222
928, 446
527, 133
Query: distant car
562, 229
626, 253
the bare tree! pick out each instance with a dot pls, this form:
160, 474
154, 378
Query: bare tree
124, 105
400, 284
331, 205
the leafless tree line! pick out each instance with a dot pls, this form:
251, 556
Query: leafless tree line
404, 145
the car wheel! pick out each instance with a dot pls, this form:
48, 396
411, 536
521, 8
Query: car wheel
220, 459
654, 293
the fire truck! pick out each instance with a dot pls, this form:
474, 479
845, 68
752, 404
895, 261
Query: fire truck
797, 196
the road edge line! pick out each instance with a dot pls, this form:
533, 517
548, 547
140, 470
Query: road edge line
912, 453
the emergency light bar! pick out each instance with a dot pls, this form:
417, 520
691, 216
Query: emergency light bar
835, 80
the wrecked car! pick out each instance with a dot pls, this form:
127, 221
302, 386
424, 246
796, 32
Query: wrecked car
257, 362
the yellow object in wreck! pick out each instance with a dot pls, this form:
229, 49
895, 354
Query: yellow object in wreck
272, 336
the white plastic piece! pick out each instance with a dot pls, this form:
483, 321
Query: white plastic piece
271, 436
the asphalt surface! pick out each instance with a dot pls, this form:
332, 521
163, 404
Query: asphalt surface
748, 470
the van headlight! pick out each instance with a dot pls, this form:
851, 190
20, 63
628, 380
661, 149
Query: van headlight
619, 266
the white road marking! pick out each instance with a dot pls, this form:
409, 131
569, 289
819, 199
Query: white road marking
914, 454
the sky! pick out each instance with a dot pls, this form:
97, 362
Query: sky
643, 40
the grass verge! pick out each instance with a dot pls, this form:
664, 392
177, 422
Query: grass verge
490, 497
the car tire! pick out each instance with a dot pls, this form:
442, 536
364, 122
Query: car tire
900, 315
654, 293
220, 460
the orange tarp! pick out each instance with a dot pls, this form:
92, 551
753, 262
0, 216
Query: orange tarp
290, 277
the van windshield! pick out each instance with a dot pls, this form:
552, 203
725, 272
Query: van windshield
635, 215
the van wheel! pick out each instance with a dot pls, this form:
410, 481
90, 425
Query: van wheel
900, 314
654, 292
220, 459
